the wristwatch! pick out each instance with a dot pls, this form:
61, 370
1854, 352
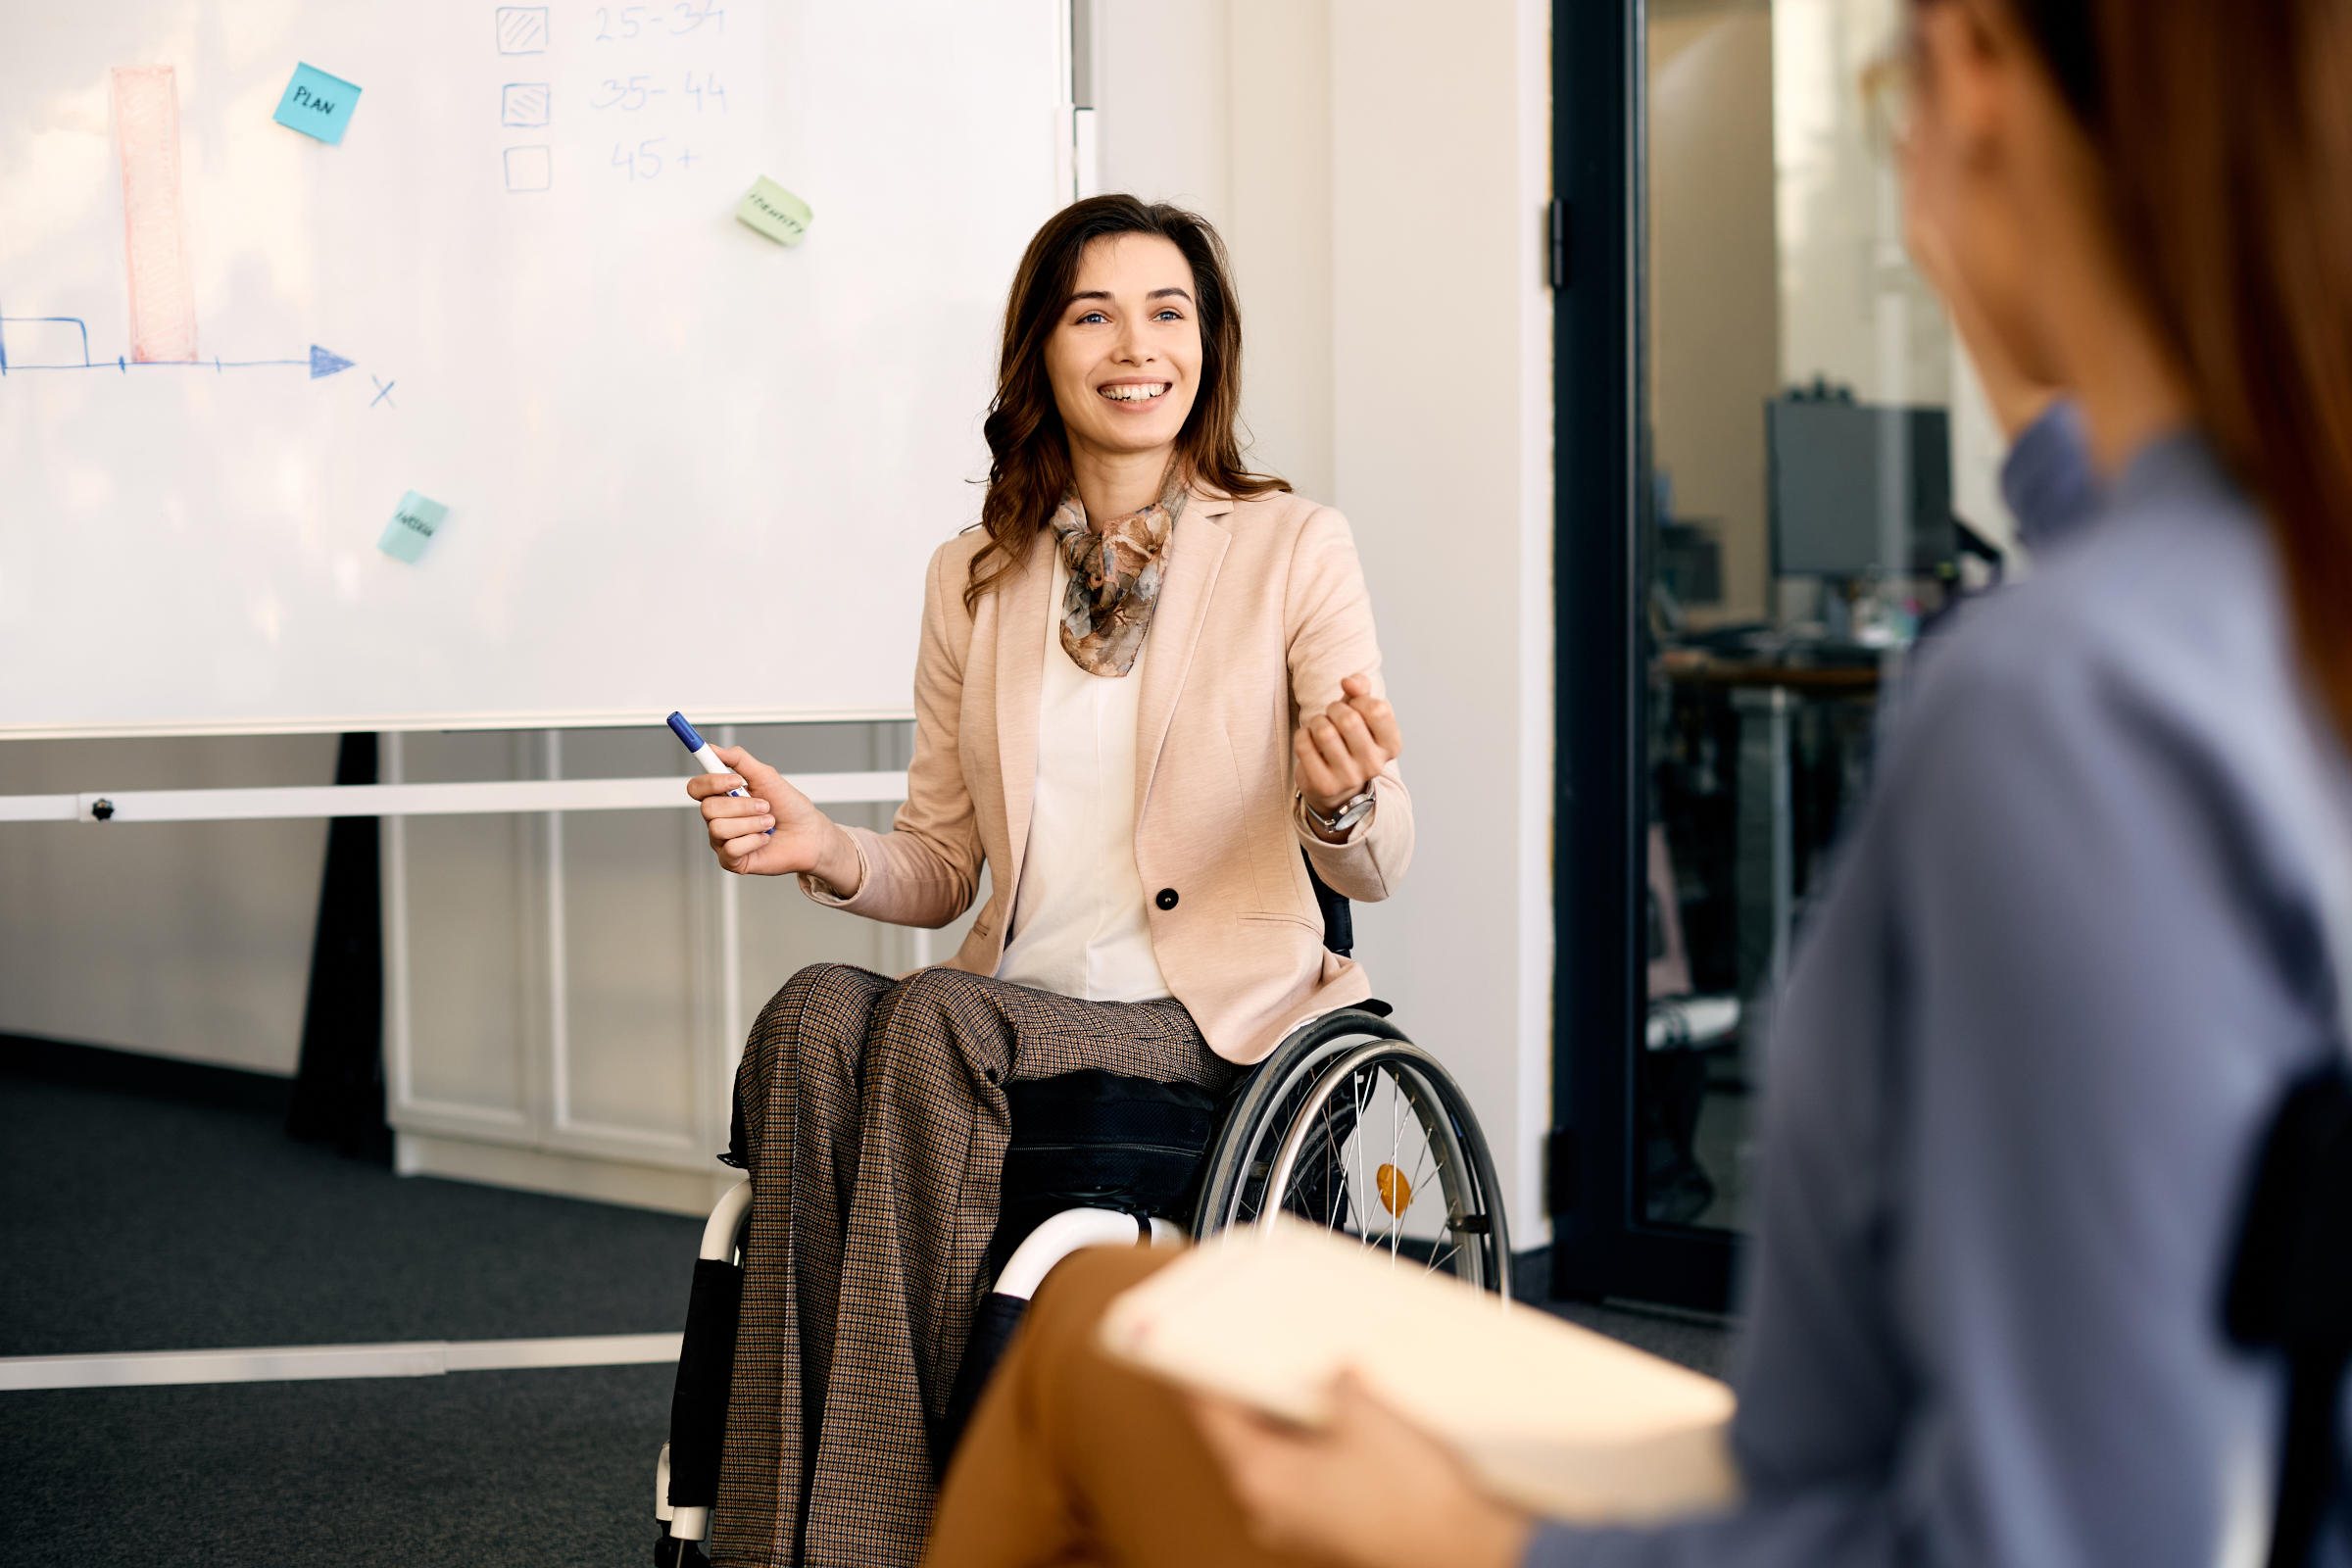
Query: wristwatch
1351, 810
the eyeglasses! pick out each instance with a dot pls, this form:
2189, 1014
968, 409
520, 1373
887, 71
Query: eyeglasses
1889, 87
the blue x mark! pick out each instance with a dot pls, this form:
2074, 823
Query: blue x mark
383, 390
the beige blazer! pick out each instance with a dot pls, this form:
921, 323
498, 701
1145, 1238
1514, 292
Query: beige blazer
1262, 612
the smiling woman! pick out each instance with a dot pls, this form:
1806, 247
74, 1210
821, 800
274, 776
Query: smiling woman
1145, 731
1116, 298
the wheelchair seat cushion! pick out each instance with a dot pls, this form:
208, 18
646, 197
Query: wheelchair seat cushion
1103, 1139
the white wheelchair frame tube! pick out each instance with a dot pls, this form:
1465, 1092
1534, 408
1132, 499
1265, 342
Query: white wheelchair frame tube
1057, 1238
722, 1239
1068, 1230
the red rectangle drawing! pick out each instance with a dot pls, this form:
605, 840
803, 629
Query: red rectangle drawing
163, 297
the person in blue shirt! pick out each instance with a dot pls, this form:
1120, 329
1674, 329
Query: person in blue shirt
2090, 928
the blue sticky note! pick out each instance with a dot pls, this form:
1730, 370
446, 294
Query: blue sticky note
317, 104
412, 528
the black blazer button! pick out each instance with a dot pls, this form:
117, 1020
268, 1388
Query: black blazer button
1166, 898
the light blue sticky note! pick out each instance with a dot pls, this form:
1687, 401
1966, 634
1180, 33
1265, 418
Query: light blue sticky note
412, 528
317, 104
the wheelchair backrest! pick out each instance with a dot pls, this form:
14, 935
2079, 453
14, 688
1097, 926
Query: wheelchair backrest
1339, 927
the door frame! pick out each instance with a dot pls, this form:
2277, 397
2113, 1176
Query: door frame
1600, 1247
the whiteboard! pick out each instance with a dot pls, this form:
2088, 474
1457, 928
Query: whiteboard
685, 466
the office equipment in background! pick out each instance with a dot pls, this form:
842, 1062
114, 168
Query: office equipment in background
516, 287
1690, 561
1857, 490
1687, 554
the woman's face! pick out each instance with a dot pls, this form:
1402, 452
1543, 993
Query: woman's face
1990, 160
1125, 357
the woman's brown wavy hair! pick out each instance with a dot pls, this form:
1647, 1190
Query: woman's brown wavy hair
2224, 133
1029, 455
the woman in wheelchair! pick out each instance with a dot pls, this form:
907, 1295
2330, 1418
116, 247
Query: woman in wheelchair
2052, 1261
1144, 683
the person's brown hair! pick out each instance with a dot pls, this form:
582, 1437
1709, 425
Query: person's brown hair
1029, 455
2224, 134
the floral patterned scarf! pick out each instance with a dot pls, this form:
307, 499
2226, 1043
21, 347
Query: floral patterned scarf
1114, 579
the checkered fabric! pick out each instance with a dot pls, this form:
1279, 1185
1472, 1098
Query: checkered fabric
873, 1124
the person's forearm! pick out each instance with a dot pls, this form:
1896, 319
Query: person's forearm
838, 866
1365, 863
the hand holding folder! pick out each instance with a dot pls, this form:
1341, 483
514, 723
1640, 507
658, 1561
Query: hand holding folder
1548, 1415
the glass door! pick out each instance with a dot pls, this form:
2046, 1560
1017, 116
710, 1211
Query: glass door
1774, 473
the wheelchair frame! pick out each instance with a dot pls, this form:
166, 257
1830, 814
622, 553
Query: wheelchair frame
1238, 1170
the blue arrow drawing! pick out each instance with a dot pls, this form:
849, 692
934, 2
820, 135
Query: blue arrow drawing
322, 361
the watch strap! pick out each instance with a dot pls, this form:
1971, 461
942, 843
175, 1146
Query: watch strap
1352, 811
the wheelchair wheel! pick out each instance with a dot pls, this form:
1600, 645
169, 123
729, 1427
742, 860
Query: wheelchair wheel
1351, 1126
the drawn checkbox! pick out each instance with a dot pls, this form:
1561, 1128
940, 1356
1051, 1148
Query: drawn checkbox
529, 169
521, 29
522, 103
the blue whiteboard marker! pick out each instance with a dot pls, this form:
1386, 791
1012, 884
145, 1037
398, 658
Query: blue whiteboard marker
703, 755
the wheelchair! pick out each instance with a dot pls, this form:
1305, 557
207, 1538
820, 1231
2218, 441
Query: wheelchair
1347, 1123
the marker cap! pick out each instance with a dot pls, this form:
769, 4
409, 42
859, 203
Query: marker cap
685, 732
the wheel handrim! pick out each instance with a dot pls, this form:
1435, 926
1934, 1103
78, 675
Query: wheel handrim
1374, 1155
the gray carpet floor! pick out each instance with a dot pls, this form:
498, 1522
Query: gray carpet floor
138, 1224
537, 1468
131, 1223
1696, 1340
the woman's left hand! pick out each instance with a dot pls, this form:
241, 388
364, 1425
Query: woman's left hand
1344, 748
1369, 1491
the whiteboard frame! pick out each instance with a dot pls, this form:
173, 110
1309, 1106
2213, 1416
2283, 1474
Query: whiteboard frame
398, 799
412, 725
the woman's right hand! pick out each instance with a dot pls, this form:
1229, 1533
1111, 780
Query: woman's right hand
806, 839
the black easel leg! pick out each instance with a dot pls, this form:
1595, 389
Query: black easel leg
339, 1087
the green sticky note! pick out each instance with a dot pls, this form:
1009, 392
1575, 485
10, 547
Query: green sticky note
774, 212
412, 528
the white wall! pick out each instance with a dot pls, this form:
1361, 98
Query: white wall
1225, 108
1443, 459
1379, 170
189, 940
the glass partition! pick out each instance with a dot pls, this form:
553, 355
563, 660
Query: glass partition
1814, 481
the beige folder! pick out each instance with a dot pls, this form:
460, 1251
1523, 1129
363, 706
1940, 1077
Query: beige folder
1552, 1416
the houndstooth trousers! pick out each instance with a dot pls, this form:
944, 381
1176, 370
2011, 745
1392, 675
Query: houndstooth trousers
871, 1116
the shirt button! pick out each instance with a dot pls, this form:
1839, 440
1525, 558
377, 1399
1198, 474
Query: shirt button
1166, 898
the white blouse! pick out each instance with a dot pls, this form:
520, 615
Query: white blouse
1079, 923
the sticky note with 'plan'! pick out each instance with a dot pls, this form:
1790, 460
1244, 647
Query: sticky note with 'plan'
317, 104
412, 528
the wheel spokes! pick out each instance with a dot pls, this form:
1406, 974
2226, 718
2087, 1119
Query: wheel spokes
1315, 1154
1339, 1176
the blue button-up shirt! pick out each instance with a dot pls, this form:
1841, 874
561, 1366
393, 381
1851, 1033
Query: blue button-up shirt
2075, 951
